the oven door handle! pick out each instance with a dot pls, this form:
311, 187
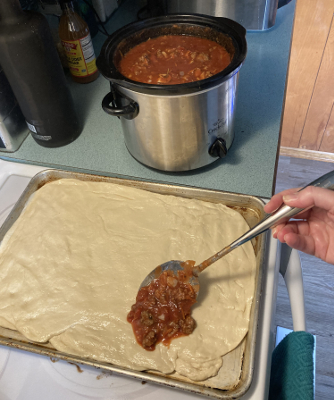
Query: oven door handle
291, 270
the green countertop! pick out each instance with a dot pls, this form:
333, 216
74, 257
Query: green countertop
250, 165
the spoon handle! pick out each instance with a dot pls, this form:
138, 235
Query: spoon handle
286, 212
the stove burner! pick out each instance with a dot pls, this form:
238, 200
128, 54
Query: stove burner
90, 381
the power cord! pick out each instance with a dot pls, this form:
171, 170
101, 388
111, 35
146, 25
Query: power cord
27, 4
104, 30
99, 22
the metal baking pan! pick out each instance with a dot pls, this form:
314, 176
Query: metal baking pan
251, 209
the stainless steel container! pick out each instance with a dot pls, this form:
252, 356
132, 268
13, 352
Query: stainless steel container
252, 14
175, 127
183, 132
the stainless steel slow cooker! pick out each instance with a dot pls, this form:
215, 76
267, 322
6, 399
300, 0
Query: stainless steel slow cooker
257, 15
175, 127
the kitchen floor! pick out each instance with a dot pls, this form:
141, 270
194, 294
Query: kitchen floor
318, 282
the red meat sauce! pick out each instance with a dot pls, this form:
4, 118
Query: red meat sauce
162, 310
174, 59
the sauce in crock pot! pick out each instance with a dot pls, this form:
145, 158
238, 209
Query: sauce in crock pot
162, 310
174, 59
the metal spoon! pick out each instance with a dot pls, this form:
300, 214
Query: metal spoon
284, 212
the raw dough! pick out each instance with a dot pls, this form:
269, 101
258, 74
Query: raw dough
71, 265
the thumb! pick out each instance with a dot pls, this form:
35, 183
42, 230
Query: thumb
311, 196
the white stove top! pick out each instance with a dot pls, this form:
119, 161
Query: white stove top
27, 376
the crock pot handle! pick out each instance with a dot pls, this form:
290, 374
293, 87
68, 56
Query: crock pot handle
234, 25
129, 111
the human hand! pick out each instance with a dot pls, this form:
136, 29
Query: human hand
313, 232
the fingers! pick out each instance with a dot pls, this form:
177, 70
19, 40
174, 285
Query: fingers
299, 242
296, 235
311, 235
298, 227
308, 197
277, 200
311, 196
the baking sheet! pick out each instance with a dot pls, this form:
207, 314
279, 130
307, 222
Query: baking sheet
236, 374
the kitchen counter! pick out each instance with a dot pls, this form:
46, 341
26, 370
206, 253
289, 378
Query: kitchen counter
250, 165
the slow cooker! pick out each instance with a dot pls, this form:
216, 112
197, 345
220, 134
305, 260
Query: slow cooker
254, 15
175, 127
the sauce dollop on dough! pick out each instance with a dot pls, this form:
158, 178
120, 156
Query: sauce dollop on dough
162, 310
174, 59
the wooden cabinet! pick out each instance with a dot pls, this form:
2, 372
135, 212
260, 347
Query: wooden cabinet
308, 119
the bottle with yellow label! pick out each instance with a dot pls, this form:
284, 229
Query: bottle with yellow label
76, 40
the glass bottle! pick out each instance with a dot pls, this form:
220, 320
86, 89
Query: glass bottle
76, 40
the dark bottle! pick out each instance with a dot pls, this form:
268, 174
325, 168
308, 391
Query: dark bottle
32, 66
75, 37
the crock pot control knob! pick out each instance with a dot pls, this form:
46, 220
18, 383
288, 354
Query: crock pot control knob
218, 148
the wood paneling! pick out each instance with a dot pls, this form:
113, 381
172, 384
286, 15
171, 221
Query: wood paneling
321, 104
310, 85
327, 143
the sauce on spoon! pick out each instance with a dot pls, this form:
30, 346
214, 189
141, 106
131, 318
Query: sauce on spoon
162, 311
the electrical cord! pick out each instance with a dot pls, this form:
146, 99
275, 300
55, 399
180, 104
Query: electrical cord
104, 30
27, 4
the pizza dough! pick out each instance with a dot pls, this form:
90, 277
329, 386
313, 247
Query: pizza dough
71, 266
